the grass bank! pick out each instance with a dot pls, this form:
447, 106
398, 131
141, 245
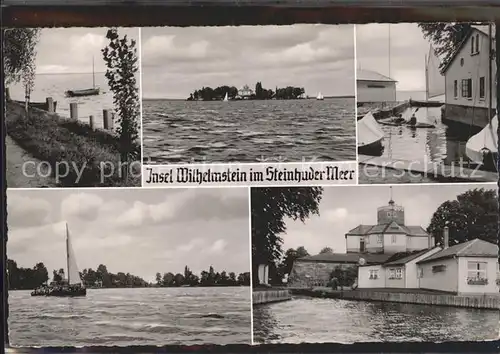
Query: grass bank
77, 154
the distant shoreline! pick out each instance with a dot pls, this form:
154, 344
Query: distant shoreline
157, 287
298, 99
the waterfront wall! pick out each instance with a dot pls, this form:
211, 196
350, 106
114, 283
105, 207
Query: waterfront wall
476, 117
260, 297
470, 301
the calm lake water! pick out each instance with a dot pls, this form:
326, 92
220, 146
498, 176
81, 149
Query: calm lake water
249, 131
441, 145
146, 316
55, 85
325, 320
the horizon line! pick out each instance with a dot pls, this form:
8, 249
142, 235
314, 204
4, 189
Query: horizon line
184, 99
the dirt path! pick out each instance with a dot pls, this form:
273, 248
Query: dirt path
34, 174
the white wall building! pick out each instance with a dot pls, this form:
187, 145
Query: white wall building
374, 87
467, 80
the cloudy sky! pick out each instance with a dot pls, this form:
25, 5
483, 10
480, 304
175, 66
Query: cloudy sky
407, 53
141, 232
70, 50
344, 208
176, 61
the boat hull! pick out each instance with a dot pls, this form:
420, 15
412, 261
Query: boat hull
82, 93
375, 148
370, 136
414, 103
62, 293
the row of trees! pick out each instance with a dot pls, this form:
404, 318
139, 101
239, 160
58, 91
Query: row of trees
260, 93
473, 214
206, 278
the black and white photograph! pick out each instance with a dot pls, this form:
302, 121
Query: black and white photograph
426, 101
146, 267
248, 94
413, 263
72, 107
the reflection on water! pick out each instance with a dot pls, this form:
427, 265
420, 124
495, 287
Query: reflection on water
326, 320
441, 144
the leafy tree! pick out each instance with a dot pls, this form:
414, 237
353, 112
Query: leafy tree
158, 279
326, 250
445, 37
291, 255
474, 214
18, 52
121, 60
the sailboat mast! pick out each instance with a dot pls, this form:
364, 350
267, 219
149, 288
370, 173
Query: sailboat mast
426, 79
93, 73
490, 71
67, 252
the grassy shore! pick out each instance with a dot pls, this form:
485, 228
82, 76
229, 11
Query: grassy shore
54, 139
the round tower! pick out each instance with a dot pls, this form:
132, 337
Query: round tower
391, 212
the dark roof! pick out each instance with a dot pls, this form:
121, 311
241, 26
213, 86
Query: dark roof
405, 257
460, 46
362, 230
370, 258
473, 248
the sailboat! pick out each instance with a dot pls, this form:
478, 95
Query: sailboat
94, 91
320, 97
74, 286
226, 98
482, 148
370, 136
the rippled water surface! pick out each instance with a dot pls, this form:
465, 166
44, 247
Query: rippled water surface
146, 316
249, 131
326, 320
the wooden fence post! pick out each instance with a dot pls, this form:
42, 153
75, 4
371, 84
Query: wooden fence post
50, 105
7, 94
91, 122
73, 111
107, 119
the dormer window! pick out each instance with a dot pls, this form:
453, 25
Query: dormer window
472, 47
474, 44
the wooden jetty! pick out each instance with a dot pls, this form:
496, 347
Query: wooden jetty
430, 169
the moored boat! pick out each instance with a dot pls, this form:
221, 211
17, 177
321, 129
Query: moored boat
482, 148
370, 136
85, 92
320, 97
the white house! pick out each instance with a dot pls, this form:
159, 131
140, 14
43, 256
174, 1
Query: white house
374, 87
467, 268
400, 272
467, 80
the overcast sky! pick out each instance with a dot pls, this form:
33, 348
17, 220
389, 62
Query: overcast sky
70, 50
344, 208
141, 231
177, 61
408, 49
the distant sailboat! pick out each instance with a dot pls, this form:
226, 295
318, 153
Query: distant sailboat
320, 96
74, 286
94, 91
226, 98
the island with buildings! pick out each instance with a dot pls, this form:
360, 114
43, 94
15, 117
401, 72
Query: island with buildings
395, 262
246, 93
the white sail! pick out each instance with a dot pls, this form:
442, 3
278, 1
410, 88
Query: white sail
226, 98
320, 96
369, 131
73, 272
484, 141
435, 83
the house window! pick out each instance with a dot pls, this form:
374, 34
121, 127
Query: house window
395, 273
375, 86
477, 43
481, 87
373, 273
455, 88
472, 47
438, 268
380, 239
476, 270
393, 239
467, 88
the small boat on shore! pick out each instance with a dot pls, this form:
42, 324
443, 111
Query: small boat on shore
74, 286
370, 136
482, 148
